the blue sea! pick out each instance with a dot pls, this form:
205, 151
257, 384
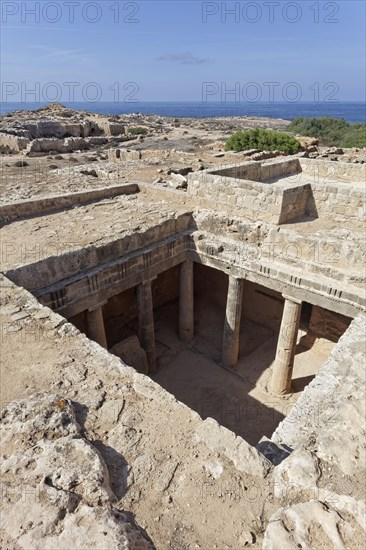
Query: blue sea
354, 111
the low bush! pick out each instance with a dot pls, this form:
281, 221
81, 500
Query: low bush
137, 131
264, 140
331, 131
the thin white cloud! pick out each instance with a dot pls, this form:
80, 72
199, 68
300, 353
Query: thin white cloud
184, 58
60, 53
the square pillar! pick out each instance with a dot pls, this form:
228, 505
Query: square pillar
95, 325
231, 336
146, 322
286, 346
186, 302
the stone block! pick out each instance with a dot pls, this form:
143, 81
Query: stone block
131, 353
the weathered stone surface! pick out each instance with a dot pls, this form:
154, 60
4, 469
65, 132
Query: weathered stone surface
12, 144
131, 353
110, 438
179, 181
55, 484
311, 525
329, 414
45, 145
297, 473
245, 457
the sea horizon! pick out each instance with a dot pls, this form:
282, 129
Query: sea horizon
351, 111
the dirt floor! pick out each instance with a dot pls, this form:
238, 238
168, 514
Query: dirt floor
237, 398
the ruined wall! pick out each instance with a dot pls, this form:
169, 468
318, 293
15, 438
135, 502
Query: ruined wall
211, 283
296, 203
119, 310
50, 204
166, 286
262, 305
277, 168
256, 200
60, 129
240, 186
248, 171
46, 145
327, 324
333, 200
121, 155
122, 308
12, 144
338, 203
79, 321
258, 171
112, 128
330, 171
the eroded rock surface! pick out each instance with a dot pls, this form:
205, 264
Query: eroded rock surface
55, 484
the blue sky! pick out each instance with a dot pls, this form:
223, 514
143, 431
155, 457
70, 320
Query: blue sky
170, 50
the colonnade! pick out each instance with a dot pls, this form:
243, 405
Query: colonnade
283, 365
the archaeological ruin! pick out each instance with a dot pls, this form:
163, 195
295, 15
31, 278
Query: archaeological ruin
183, 365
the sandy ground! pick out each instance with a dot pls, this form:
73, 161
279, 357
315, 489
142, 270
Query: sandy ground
238, 399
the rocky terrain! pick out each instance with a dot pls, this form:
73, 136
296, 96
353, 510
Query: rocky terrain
56, 150
98, 455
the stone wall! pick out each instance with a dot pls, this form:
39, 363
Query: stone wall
251, 198
10, 212
329, 171
112, 128
121, 155
277, 168
60, 129
338, 202
245, 171
258, 171
247, 189
122, 308
255, 200
211, 283
12, 144
76, 266
46, 145
326, 324
262, 305
295, 201
327, 415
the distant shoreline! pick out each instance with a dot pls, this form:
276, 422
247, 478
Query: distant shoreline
352, 111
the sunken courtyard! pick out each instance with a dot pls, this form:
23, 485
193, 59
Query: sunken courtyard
195, 357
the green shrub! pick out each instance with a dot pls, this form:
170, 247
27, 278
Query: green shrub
137, 131
331, 131
356, 137
264, 140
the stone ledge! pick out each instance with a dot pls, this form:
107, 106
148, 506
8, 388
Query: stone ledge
245, 457
18, 210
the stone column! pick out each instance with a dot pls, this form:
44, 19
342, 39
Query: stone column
146, 322
286, 346
231, 337
95, 325
186, 315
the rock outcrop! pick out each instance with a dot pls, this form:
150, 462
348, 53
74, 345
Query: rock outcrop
55, 487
